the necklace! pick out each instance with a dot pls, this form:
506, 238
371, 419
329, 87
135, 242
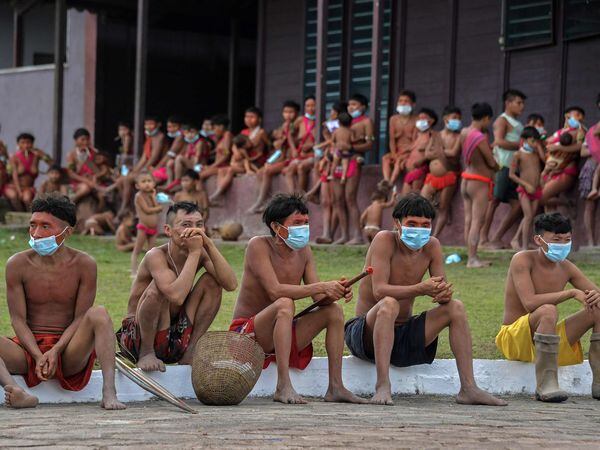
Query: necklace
171, 258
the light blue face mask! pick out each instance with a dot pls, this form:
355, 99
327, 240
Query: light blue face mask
415, 238
174, 134
404, 110
204, 133
192, 140
151, 133
556, 252
161, 197
45, 246
454, 124
528, 148
573, 123
124, 170
310, 116
298, 237
356, 113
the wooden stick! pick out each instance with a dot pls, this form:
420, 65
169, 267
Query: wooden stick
150, 385
347, 283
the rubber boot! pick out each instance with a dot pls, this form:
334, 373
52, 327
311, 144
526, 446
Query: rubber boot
546, 368
594, 357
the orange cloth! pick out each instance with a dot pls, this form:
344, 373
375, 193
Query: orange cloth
481, 178
439, 183
71, 383
299, 359
148, 148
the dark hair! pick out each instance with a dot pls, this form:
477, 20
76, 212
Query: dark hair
535, 117
26, 136
579, 109
309, 97
151, 117
193, 125
57, 205
431, 113
345, 119
255, 110
340, 107
191, 174
512, 93
124, 123
530, 132
408, 93
481, 110
291, 104
241, 140
413, 205
282, 206
188, 207
220, 119
175, 119
79, 132
55, 167
451, 109
565, 139
554, 223
378, 194
360, 99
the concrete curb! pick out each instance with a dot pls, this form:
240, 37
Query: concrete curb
439, 378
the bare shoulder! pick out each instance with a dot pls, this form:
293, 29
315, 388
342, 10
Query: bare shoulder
384, 239
258, 243
156, 254
82, 258
523, 258
434, 245
17, 261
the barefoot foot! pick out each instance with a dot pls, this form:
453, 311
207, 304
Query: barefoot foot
476, 396
341, 241
383, 395
494, 245
343, 395
15, 397
110, 400
515, 245
476, 263
149, 362
288, 395
355, 241
324, 240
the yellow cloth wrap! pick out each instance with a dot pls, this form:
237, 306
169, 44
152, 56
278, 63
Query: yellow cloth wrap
516, 344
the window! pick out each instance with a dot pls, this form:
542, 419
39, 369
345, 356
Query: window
384, 84
335, 28
310, 49
582, 18
6, 35
527, 23
360, 47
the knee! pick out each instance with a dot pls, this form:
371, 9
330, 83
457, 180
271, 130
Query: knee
547, 313
285, 308
388, 308
334, 312
98, 316
211, 285
456, 309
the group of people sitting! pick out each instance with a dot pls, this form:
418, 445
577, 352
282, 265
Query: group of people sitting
60, 332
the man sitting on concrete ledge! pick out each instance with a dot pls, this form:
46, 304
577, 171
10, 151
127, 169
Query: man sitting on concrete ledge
385, 330
534, 287
167, 312
274, 268
50, 291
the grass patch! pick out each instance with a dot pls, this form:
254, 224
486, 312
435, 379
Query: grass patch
481, 290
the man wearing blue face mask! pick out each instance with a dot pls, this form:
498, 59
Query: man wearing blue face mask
385, 330
535, 286
51, 290
278, 270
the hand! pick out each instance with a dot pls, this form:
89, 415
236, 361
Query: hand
579, 295
348, 295
206, 241
444, 296
192, 239
333, 289
46, 365
529, 188
553, 148
592, 298
431, 287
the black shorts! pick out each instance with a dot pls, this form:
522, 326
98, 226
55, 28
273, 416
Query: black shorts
409, 342
505, 189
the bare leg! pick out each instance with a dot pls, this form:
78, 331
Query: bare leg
477, 192
507, 222
304, 168
489, 218
339, 209
152, 315
553, 188
82, 191
12, 360
589, 221
95, 332
386, 169
140, 240
529, 212
351, 192
453, 316
326, 209
268, 172
444, 209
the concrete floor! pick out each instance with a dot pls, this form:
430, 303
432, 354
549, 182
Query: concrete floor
415, 422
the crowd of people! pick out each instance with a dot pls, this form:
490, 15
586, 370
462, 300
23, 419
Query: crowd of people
520, 164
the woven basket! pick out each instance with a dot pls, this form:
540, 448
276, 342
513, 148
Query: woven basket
225, 368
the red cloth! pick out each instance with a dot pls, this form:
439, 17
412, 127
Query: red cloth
148, 148
160, 174
352, 170
299, 359
482, 179
471, 142
27, 163
442, 182
535, 196
569, 171
416, 174
71, 383
309, 126
149, 231
593, 143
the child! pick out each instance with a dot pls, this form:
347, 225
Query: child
99, 224
192, 191
53, 181
341, 141
371, 218
124, 239
525, 170
402, 132
195, 153
537, 121
124, 139
556, 160
147, 211
416, 163
257, 135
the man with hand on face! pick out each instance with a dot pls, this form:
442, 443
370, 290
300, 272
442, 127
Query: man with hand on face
275, 267
167, 312
50, 291
534, 287
385, 330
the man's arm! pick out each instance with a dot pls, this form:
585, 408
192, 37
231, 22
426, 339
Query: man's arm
436, 270
392, 135
369, 138
488, 156
500, 126
520, 271
583, 283
157, 148
216, 265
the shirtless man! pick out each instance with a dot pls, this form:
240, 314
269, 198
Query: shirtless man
385, 330
478, 177
302, 161
165, 172
402, 133
167, 313
345, 195
534, 287
81, 167
507, 140
274, 268
50, 291
257, 135
25, 169
223, 138
416, 163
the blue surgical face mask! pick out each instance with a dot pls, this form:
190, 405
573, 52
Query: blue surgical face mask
556, 252
573, 123
161, 197
528, 148
454, 124
415, 238
310, 116
404, 110
298, 237
45, 246
173, 135
356, 113
192, 140
422, 125
151, 133
203, 133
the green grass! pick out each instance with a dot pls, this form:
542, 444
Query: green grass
481, 290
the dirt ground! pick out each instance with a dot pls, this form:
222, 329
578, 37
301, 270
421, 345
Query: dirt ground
415, 422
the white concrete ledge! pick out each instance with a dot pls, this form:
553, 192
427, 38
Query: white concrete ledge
439, 378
